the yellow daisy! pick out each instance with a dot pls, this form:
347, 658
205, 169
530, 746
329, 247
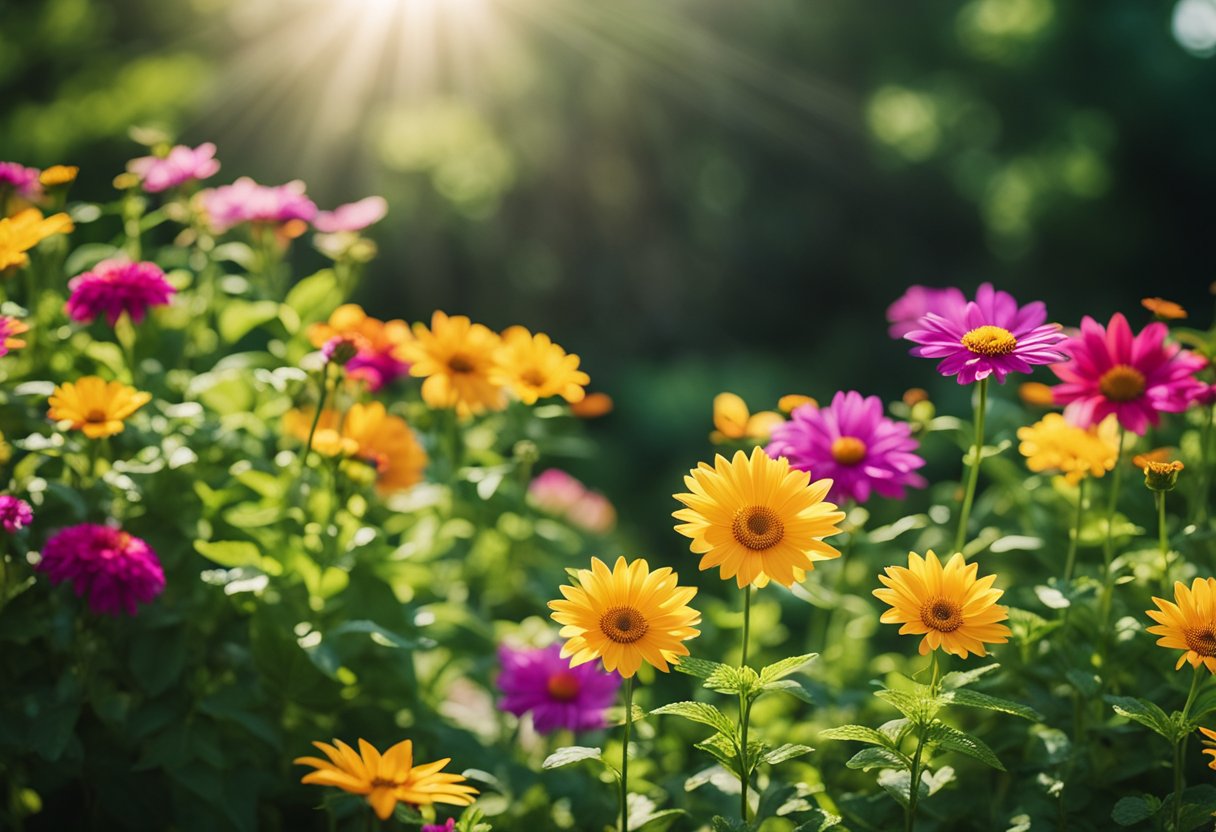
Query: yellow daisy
1188, 622
459, 360
1209, 741
757, 519
1055, 444
733, 421
626, 616
948, 604
57, 175
23, 231
94, 406
370, 433
535, 368
386, 779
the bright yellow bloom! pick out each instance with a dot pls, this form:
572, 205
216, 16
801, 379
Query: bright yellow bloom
367, 432
733, 421
95, 406
57, 175
757, 519
459, 360
787, 404
1055, 444
593, 406
1036, 394
535, 368
1188, 622
20, 233
954, 610
1164, 309
386, 779
1209, 742
626, 616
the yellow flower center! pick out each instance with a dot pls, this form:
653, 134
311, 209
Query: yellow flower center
942, 614
990, 341
848, 450
1121, 383
1202, 641
757, 527
532, 377
460, 364
96, 415
563, 686
624, 625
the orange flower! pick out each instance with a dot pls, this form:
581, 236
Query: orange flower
381, 345
1165, 309
1155, 455
459, 360
1036, 394
593, 406
369, 433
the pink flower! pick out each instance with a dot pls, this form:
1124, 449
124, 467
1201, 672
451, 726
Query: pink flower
440, 827
181, 165
917, 302
115, 569
555, 491
15, 514
990, 336
542, 683
1135, 377
10, 328
23, 180
117, 286
247, 201
853, 444
593, 513
354, 216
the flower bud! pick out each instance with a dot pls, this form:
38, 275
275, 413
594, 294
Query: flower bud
1161, 476
340, 349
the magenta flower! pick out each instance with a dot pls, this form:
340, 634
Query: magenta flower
247, 201
354, 216
1135, 377
440, 827
22, 180
541, 682
115, 569
117, 286
917, 302
15, 514
853, 444
991, 335
182, 164
10, 328
554, 491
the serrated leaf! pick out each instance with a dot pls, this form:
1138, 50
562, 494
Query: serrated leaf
917, 706
793, 687
857, 733
1132, 810
721, 824
701, 712
952, 739
962, 678
818, 821
783, 668
740, 681
1146, 713
781, 753
571, 754
974, 699
701, 668
723, 750
896, 784
876, 757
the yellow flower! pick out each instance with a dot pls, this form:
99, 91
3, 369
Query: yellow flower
1188, 622
20, 233
94, 406
1141, 461
57, 175
1164, 309
386, 779
757, 519
1209, 741
593, 406
1036, 394
626, 616
535, 368
370, 433
954, 610
733, 421
458, 359
1055, 444
787, 404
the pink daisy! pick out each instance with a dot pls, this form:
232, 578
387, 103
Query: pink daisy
22, 180
247, 201
541, 682
15, 513
917, 302
1135, 377
117, 286
853, 444
182, 164
115, 569
354, 216
990, 336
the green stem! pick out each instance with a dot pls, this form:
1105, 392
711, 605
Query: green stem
625, 755
1108, 547
922, 735
960, 537
745, 708
1071, 561
1180, 748
316, 417
1163, 542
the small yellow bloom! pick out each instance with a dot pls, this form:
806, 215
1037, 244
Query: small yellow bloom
459, 360
57, 175
386, 779
625, 616
367, 432
1036, 394
1209, 741
1188, 622
733, 421
94, 406
28, 228
1162, 476
915, 395
947, 604
536, 368
593, 406
1055, 444
1165, 309
787, 404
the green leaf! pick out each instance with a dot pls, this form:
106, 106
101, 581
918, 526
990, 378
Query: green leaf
701, 668
241, 316
724, 750
701, 712
741, 681
229, 553
314, 297
974, 699
870, 758
157, 659
952, 739
793, 687
571, 754
962, 678
781, 753
656, 821
916, 705
897, 784
857, 733
818, 821
1146, 713
721, 824
783, 668
1130, 811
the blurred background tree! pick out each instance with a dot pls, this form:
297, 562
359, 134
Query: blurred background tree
695, 196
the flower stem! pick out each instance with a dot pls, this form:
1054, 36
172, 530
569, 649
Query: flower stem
316, 417
625, 755
922, 735
974, 474
1108, 545
1180, 748
1163, 542
1073, 540
745, 708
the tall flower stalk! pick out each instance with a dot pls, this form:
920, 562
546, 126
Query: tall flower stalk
1180, 748
745, 708
918, 755
625, 755
977, 449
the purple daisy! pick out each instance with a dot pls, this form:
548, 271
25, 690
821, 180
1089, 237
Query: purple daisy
853, 444
117, 286
115, 569
15, 513
180, 165
991, 335
918, 301
247, 201
354, 216
540, 681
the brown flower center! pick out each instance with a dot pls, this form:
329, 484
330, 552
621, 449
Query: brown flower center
532, 377
563, 686
460, 364
624, 625
1122, 383
942, 614
1202, 640
96, 416
990, 341
848, 450
757, 527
